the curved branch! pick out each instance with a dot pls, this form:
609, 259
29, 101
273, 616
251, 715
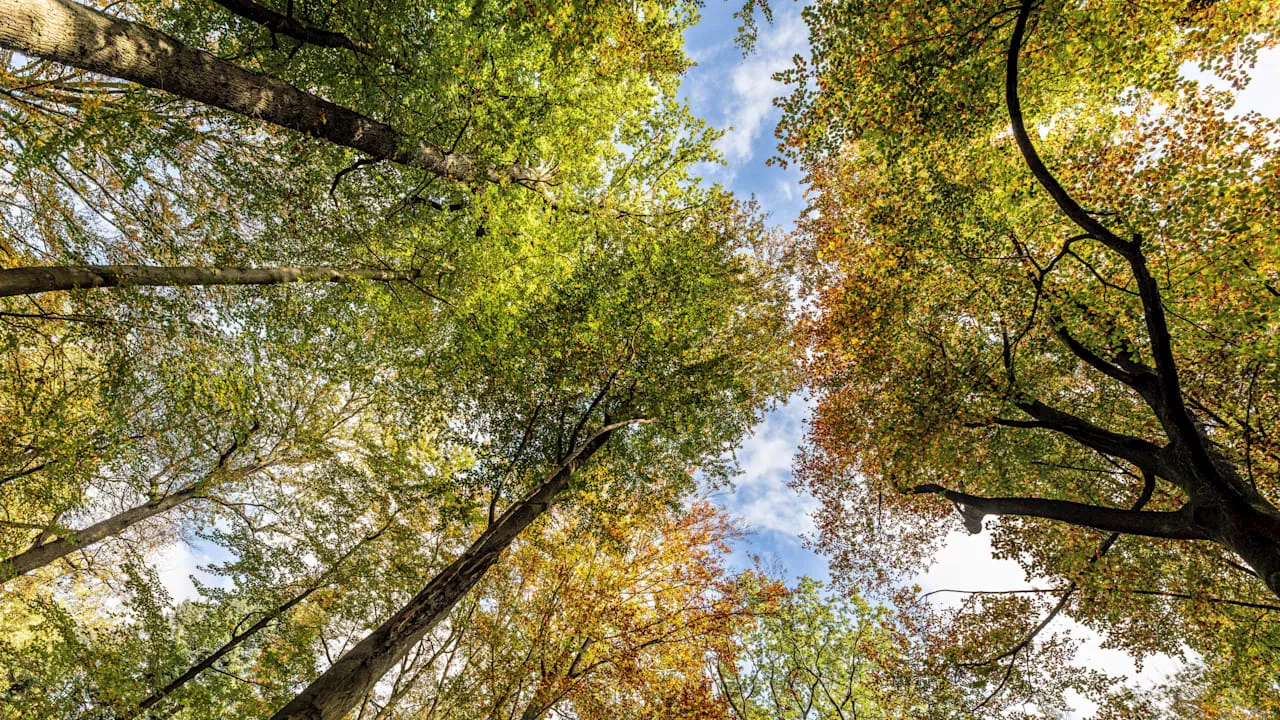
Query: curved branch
1142, 453
1065, 202
286, 25
1175, 525
1173, 413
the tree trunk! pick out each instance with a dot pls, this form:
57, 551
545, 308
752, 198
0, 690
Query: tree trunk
33, 280
1247, 524
340, 688
41, 555
69, 33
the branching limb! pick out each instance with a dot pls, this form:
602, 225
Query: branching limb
1148, 487
1143, 453
296, 29
1176, 525
1173, 413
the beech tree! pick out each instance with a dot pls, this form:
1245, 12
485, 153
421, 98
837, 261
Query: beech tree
812, 652
670, 333
602, 611
1043, 263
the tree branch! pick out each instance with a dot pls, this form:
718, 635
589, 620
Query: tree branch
41, 279
287, 25
1173, 414
267, 618
1173, 525
1143, 453
1148, 487
1065, 202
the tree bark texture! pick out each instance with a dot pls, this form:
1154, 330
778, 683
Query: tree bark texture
33, 280
72, 34
43, 554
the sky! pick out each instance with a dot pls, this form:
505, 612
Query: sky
736, 93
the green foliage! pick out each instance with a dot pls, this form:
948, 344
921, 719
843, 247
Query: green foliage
340, 444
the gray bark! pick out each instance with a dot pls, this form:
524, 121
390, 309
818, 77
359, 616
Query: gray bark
33, 280
42, 554
72, 34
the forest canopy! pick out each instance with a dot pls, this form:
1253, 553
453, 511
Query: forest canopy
421, 321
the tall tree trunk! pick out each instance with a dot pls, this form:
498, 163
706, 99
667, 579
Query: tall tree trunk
72, 34
40, 555
33, 280
340, 688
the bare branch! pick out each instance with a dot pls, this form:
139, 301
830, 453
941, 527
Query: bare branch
1174, 525
287, 25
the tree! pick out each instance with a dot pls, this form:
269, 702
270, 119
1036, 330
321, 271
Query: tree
673, 321
604, 362
604, 611
75, 35
811, 653
1043, 264
809, 657
82, 37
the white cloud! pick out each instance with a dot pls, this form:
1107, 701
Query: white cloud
760, 496
748, 103
176, 561
966, 563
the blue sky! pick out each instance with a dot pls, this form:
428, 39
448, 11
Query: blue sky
735, 93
